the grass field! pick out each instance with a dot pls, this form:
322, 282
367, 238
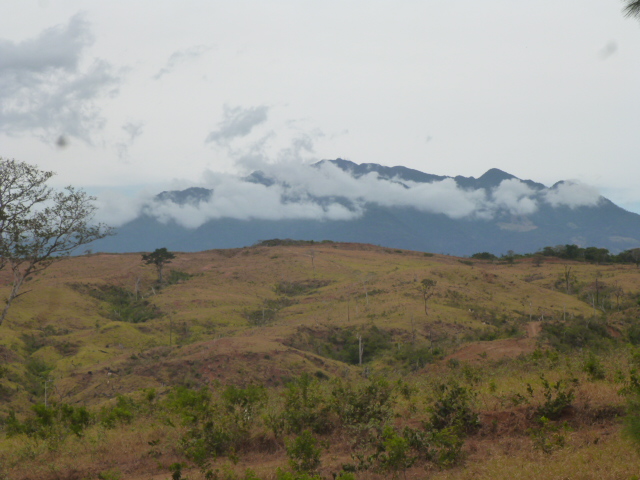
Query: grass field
326, 353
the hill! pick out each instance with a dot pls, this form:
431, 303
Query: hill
368, 203
229, 340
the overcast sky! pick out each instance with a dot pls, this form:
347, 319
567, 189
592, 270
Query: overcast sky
163, 94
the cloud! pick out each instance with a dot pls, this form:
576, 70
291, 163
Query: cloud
133, 131
44, 88
233, 197
572, 194
116, 209
237, 122
179, 57
290, 190
515, 196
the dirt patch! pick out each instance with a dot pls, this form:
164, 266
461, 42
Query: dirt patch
494, 350
533, 329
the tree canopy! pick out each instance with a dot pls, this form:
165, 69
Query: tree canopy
39, 225
160, 257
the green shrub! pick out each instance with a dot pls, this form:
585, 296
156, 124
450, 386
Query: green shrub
594, 367
305, 407
452, 408
244, 404
176, 276
284, 475
396, 453
110, 475
304, 453
547, 436
557, 398
123, 305
300, 287
369, 404
441, 447
122, 413
417, 357
576, 333
55, 420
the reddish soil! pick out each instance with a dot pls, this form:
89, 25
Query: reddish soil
497, 349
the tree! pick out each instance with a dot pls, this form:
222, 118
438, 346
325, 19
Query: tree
160, 257
426, 288
632, 9
39, 225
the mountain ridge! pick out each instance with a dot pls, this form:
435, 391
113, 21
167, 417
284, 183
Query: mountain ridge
497, 212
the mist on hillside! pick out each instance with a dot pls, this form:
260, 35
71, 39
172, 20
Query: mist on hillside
289, 190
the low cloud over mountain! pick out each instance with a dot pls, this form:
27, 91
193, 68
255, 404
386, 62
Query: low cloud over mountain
341, 190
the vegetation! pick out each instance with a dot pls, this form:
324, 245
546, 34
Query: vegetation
510, 371
158, 258
39, 225
121, 305
570, 252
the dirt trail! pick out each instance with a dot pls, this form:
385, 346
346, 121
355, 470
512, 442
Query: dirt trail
533, 329
497, 349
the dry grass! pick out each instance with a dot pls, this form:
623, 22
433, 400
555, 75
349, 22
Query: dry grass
203, 338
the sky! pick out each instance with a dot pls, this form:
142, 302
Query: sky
127, 97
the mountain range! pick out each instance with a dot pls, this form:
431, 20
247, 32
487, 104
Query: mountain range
396, 207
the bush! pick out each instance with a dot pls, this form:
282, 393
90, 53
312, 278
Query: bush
576, 333
484, 256
452, 409
123, 305
268, 312
594, 367
557, 398
55, 420
305, 407
244, 404
176, 276
548, 437
368, 405
122, 413
396, 452
417, 357
301, 287
304, 453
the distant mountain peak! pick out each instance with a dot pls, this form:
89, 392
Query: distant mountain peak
495, 175
190, 196
472, 215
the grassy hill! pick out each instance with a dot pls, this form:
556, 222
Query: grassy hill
510, 370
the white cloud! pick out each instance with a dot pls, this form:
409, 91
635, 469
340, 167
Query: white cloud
515, 196
179, 57
235, 198
116, 209
326, 192
237, 122
133, 131
572, 195
46, 90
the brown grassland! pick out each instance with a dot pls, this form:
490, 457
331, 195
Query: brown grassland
506, 371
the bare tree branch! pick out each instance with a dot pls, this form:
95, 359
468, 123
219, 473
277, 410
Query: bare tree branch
39, 226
